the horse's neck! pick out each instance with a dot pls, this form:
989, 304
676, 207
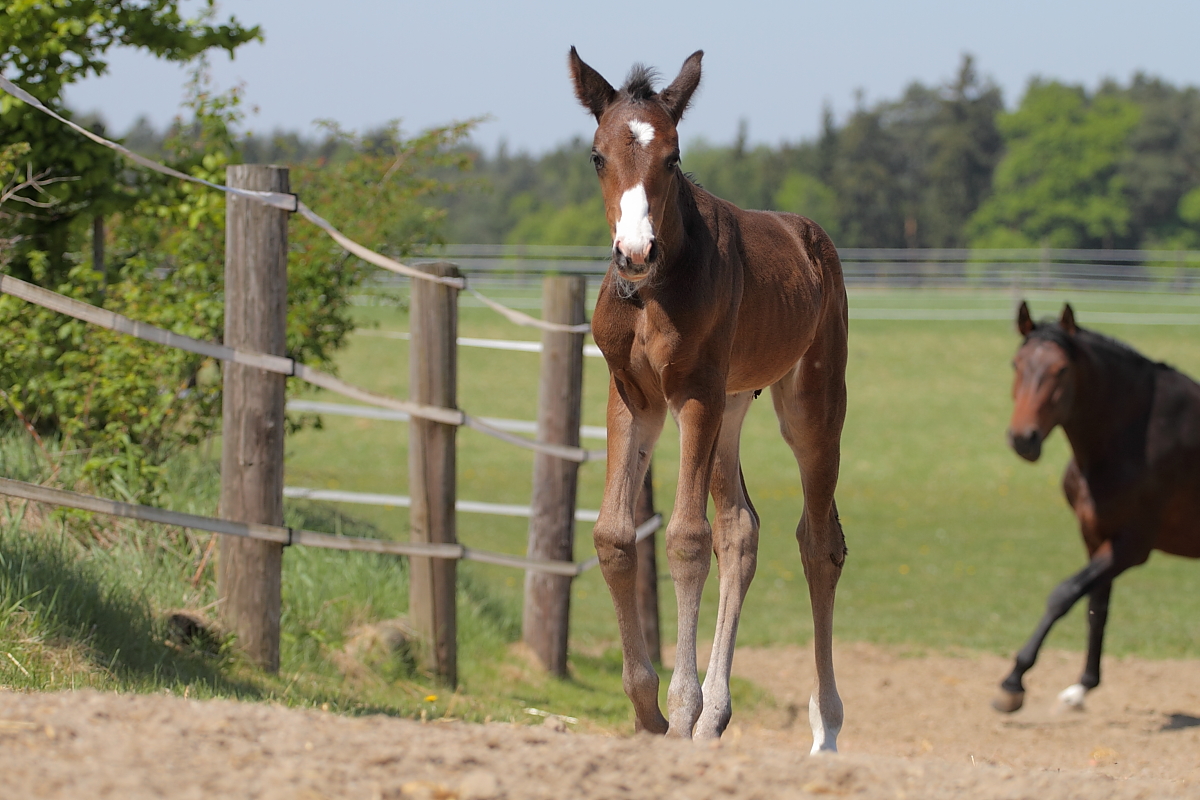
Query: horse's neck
697, 234
1111, 404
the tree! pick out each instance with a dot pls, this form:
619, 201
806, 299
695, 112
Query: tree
1161, 163
1059, 182
46, 46
129, 404
965, 146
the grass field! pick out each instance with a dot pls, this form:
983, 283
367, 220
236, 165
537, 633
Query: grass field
954, 541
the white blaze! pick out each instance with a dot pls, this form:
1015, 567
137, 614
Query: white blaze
642, 131
634, 231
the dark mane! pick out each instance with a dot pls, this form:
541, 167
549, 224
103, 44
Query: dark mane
1050, 331
639, 85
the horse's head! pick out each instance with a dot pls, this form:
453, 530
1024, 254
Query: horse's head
1044, 381
636, 154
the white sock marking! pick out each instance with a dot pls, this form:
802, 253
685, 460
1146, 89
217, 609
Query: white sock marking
823, 741
642, 131
1073, 695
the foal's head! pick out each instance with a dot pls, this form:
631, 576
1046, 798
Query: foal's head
636, 154
1044, 383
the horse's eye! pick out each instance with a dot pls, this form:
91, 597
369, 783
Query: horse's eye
672, 162
597, 160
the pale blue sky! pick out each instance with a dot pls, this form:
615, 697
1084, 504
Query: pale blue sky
773, 63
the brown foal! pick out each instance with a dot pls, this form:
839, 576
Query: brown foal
703, 306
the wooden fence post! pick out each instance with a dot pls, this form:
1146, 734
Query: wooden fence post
552, 524
433, 380
248, 571
647, 572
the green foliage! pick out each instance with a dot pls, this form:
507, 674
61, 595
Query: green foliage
749, 178
1059, 184
377, 189
46, 46
904, 173
804, 194
1162, 164
131, 404
575, 224
510, 188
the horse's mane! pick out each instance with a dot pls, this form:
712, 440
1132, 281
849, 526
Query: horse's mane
639, 85
1107, 347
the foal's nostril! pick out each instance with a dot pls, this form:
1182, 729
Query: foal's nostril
652, 252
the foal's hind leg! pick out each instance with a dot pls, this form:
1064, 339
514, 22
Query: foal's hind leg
811, 405
735, 542
689, 543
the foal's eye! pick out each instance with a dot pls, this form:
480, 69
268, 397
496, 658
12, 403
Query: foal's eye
597, 160
672, 161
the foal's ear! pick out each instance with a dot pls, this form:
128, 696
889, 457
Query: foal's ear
677, 96
1067, 320
1024, 320
590, 87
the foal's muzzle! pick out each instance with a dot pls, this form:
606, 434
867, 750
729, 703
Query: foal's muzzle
1028, 445
628, 269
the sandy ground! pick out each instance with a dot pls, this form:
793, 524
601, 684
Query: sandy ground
916, 728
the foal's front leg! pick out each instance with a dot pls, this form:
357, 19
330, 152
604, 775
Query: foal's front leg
631, 439
689, 547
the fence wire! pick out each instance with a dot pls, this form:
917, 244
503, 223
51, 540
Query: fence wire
292, 203
281, 365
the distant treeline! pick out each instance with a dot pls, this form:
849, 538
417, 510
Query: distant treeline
942, 166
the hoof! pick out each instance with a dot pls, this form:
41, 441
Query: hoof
656, 725
1008, 702
1071, 698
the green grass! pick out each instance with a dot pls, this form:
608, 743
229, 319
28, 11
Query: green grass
954, 541
84, 602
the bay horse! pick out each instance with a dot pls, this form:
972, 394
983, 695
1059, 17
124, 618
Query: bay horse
1134, 480
703, 306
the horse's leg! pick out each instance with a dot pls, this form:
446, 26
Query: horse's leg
1073, 695
735, 542
1065, 595
689, 543
811, 405
1079, 496
631, 439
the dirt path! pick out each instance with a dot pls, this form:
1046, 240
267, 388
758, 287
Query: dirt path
913, 725
1143, 720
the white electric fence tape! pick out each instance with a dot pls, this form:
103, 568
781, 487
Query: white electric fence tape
290, 202
277, 364
292, 536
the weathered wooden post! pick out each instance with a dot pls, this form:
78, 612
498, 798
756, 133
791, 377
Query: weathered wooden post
647, 572
248, 571
433, 380
552, 524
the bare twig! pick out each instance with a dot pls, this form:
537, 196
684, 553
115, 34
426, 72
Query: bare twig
212, 540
